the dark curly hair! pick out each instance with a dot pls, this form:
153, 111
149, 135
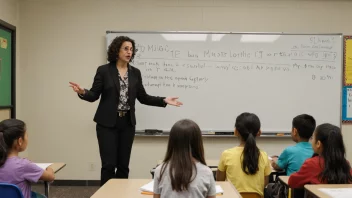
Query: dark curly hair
115, 46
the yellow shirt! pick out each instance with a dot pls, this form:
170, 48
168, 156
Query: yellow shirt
231, 163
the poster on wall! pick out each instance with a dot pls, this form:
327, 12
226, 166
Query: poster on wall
347, 83
5, 68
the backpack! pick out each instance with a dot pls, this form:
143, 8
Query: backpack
276, 190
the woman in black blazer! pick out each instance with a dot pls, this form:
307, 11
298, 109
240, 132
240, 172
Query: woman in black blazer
119, 84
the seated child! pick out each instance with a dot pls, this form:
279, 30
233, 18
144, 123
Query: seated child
245, 166
330, 166
16, 170
184, 172
292, 158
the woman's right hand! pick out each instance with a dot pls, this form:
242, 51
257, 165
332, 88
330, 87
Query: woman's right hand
76, 88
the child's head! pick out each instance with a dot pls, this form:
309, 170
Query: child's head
328, 143
13, 137
185, 144
248, 127
328, 138
302, 128
185, 140
247, 124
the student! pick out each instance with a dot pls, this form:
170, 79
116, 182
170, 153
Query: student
184, 172
292, 158
330, 166
16, 170
246, 166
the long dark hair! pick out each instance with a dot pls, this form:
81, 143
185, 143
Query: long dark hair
336, 168
185, 142
115, 46
248, 126
10, 130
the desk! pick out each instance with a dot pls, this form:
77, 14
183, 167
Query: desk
313, 190
116, 188
284, 179
56, 167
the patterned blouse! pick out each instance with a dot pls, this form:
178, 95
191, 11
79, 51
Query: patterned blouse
123, 99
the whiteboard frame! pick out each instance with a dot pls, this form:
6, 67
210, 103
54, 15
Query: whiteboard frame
273, 133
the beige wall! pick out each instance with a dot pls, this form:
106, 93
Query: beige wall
5, 114
9, 11
63, 40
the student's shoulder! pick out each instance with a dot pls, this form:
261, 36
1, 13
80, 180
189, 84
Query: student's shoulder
233, 150
264, 155
21, 164
159, 167
314, 159
19, 161
290, 149
203, 169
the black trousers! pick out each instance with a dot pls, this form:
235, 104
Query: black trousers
115, 145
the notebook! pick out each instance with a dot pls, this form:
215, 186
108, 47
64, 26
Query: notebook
43, 165
337, 192
149, 188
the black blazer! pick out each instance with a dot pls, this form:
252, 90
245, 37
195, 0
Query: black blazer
107, 84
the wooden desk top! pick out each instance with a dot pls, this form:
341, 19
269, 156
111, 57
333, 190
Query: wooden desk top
116, 188
57, 166
284, 179
314, 189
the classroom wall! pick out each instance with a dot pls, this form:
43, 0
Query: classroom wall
9, 12
59, 35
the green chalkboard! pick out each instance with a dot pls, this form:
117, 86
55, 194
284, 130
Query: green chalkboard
5, 68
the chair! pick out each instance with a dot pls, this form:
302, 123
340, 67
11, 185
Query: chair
250, 195
10, 191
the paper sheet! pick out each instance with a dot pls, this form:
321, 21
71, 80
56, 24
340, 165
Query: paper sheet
337, 192
149, 187
219, 189
43, 165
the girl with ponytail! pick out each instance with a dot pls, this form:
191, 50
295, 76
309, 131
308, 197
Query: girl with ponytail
330, 165
14, 169
246, 166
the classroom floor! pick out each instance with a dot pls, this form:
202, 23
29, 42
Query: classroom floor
67, 191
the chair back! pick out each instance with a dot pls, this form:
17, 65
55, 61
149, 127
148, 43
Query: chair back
250, 195
10, 191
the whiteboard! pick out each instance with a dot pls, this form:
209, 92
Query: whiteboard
220, 75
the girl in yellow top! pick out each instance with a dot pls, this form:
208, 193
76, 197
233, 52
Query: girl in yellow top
247, 167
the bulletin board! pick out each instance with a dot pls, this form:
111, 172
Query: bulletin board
347, 80
7, 70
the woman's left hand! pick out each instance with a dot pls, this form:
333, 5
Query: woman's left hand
173, 101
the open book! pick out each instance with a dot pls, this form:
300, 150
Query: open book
149, 188
337, 192
43, 165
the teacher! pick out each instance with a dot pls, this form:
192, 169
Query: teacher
119, 84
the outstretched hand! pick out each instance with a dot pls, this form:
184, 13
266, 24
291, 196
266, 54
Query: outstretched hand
173, 101
76, 88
